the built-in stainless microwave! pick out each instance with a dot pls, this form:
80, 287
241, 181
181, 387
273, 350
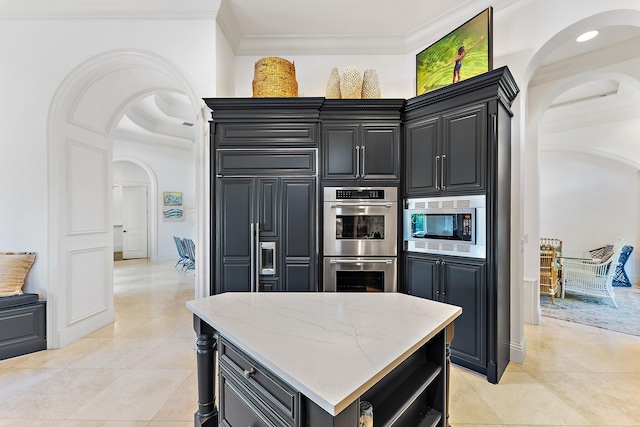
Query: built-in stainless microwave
446, 225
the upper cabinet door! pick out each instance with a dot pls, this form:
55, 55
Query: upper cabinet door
357, 152
421, 149
380, 152
339, 151
464, 152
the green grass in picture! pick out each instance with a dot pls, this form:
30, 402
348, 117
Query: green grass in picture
435, 65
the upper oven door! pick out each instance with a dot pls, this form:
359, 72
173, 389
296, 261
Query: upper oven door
360, 228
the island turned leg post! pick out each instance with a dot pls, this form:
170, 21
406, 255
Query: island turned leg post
207, 414
448, 338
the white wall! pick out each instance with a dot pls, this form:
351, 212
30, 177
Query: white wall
312, 73
42, 54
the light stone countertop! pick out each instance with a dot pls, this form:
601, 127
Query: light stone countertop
332, 347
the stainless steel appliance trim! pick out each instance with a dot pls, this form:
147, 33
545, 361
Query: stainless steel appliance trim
448, 247
334, 264
269, 246
257, 256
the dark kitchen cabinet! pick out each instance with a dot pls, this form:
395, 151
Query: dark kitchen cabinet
457, 142
261, 211
356, 152
264, 194
461, 282
446, 153
361, 140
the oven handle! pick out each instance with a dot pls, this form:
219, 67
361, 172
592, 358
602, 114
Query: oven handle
361, 204
360, 261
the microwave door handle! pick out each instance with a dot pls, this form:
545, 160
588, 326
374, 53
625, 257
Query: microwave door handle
363, 158
437, 161
357, 161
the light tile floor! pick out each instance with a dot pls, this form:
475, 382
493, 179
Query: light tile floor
140, 370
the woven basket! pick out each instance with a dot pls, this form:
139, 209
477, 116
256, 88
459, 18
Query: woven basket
14, 267
370, 84
274, 77
351, 83
333, 85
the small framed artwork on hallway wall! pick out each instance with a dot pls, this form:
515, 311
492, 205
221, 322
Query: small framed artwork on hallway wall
465, 52
172, 210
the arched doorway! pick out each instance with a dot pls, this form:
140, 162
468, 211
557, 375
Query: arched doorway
544, 86
82, 120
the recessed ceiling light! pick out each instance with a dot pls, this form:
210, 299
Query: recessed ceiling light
587, 36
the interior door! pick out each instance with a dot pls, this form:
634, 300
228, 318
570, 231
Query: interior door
134, 222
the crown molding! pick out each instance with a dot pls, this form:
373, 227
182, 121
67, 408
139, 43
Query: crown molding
321, 45
112, 9
345, 44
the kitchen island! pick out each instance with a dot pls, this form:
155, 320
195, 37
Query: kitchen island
308, 359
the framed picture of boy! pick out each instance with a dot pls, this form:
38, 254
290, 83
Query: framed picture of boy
464, 52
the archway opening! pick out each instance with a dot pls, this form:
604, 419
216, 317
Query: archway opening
85, 131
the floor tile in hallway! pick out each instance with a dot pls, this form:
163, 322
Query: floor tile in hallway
140, 370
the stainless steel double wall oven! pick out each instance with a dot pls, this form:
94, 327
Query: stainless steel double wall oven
360, 239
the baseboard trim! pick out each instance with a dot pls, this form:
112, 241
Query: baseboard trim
518, 351
86, 326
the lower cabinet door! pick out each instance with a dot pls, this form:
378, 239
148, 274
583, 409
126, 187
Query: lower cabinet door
236, 409
465, 286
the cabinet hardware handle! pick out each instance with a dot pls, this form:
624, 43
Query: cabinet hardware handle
437, 161
248, 373
360, 204
363, 158
357, 161
442, 172
438, 262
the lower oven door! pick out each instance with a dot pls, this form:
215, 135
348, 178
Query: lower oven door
360, 274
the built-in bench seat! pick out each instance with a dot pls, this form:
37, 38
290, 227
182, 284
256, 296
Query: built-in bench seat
22, 325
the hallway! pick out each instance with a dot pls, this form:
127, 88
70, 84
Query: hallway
140, 370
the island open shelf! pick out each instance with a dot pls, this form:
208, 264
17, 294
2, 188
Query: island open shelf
294, 360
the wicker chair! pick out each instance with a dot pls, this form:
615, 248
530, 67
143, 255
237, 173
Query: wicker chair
591, 277
550, 251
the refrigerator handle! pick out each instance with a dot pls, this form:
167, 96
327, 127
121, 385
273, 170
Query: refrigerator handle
257, 257
252, 263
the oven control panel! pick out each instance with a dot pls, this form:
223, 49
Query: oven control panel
386, 194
